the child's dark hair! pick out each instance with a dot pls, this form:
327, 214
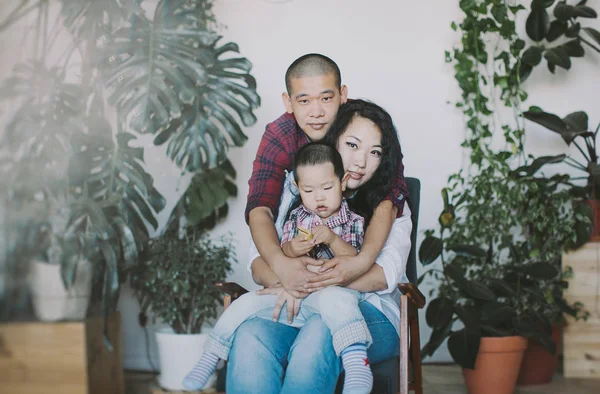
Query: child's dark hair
318, 153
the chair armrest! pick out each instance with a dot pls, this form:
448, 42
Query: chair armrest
231, 288
413, 293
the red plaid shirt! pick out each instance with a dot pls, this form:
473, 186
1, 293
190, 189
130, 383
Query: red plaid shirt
347, 224
278, 146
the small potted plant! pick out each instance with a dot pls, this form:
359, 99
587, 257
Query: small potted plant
575, 131
61, 275
500, 275
175, 284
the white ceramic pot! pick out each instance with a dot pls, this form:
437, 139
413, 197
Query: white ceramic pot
178, 355
51, 301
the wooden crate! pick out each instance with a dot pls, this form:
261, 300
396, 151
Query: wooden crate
582, 339
64, 357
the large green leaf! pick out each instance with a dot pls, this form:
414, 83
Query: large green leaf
439, 312
595, 34
537, 24
113, 174
540, 270
573, 48
472, 251
205, 200
89, 19
531, 169
559, 57
173, 67
557, 29
37, 136
546, 119
479, 291
464, 346
577, 121
532, 56
563, 12
430, 250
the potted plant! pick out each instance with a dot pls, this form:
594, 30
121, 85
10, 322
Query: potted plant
61, 274
75, 124
175, 284
574, 130
500, 274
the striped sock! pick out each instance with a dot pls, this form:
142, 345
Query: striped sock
198, 376
359, 378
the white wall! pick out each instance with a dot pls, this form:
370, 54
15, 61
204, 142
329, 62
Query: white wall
389, 51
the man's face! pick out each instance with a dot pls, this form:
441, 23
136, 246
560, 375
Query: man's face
314, 101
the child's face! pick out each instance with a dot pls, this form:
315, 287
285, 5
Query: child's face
314, 101
320, 189
360, 148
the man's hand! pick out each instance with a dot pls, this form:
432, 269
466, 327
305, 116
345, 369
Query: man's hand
300, 246
294, 275
292, 303
322, 235
342, 270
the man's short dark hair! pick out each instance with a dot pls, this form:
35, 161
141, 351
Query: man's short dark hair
315, 153
312, 64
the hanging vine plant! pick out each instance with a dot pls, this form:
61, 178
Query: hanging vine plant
504, 224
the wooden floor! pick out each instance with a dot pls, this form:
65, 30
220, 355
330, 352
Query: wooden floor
438, 379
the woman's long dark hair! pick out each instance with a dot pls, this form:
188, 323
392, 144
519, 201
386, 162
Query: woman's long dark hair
369, 195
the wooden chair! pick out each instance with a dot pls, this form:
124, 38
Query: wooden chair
398, 375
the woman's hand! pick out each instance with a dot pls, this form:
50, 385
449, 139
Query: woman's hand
294, 275
342, 270
292, 303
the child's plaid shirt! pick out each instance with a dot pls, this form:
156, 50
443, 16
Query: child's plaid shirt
347, 224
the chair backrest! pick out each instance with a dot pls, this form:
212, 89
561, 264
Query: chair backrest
414, 198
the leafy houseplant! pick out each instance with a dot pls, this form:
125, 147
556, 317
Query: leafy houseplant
76, 133
574, 129
504, 223
176, 282
500, 273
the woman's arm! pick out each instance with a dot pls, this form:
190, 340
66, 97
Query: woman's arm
373, 280
390, 265
377, 233
344, 269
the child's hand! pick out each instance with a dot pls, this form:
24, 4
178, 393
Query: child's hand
322, 235
300, 245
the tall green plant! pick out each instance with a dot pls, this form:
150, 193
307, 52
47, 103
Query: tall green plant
504, 224
167, 75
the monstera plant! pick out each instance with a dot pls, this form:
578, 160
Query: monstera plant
163, 72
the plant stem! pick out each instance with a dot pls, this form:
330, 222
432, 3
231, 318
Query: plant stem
575, 164
581, 150
589, 43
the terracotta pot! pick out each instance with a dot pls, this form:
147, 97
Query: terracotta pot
497, 366
595, 205
538, 364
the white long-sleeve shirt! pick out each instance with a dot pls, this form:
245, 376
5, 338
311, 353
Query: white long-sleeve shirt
392, 258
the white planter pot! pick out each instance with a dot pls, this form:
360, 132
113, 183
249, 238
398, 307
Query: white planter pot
51, 301
179, 353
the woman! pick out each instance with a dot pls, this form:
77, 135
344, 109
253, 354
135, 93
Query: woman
269, 357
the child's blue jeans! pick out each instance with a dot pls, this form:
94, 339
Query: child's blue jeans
337, 306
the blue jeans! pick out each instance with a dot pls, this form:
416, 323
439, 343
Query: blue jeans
337, 306
272, 358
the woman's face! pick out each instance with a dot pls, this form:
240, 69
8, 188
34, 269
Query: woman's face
360, 148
